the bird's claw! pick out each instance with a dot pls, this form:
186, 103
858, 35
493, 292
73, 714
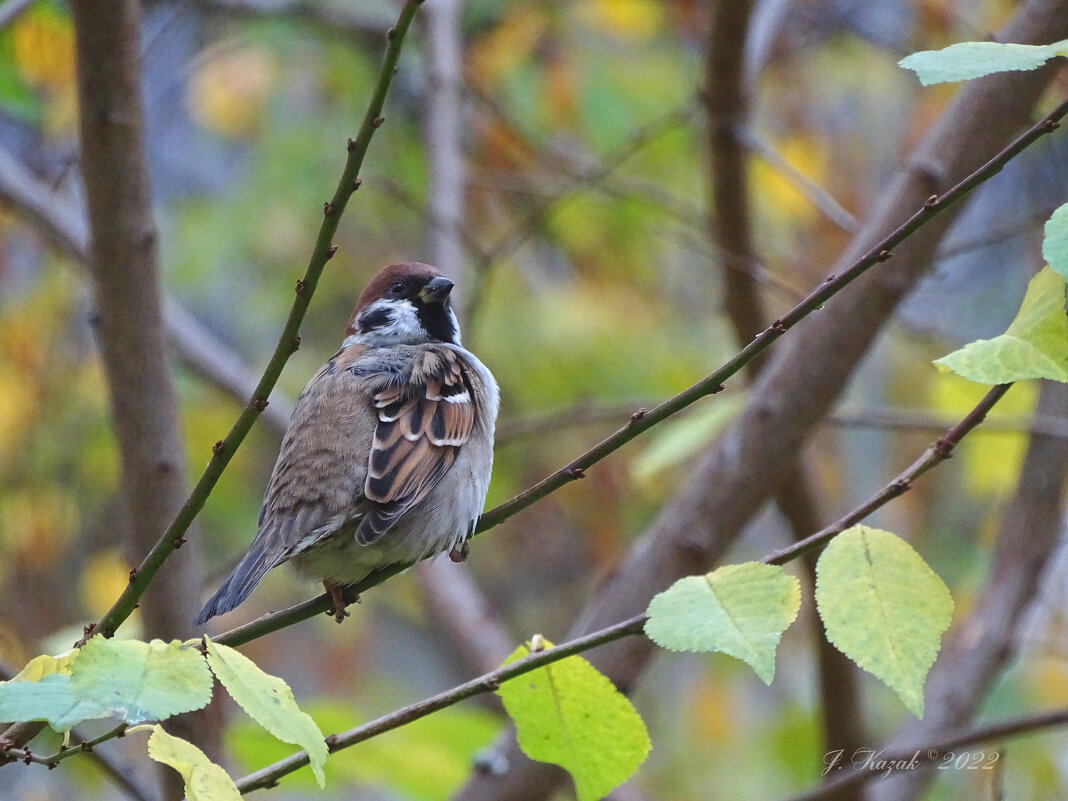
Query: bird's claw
459, 553
337, 611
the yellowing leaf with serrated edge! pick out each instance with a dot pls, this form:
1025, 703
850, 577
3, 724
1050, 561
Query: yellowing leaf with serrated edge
45, 665
1034, 346
204, 780
884, 608
570, 714
268, 701
740, 610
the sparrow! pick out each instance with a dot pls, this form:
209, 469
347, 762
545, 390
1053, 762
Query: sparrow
389, 450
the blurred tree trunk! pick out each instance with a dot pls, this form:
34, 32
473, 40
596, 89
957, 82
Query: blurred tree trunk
123, 263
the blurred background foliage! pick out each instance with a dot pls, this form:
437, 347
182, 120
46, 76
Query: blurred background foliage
591, 290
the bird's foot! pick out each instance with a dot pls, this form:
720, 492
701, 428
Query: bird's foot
460, 552
338, 610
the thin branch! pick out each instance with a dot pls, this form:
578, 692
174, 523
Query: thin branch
346, 20
922, 420
488, 682
11, 10
819, 197
288, 342
899, 761
937, 453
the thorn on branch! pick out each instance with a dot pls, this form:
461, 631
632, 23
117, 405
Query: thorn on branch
717, 389
296, 344
931, 202
350, 145
53, 764
391, 34
1052, 125
260, 404
178, 543
638, 415
778, 327
301, 286
377, 122
133, 574
356, 183
328, 209
218, 448
576, 472
330, 251
884, 255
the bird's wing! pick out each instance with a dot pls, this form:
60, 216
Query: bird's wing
322, 463
317, 484
425, 413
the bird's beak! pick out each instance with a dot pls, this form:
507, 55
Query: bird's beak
436, 290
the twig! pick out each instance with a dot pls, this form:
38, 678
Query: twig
937, 453
933, 752
819, 197
922, 420
486, 683
288, 342
11, 10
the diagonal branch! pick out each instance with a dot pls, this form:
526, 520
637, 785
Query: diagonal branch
288, 342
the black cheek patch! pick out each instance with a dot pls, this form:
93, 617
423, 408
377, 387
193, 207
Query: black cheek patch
375, 318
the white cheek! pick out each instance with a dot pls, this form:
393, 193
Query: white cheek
404, 327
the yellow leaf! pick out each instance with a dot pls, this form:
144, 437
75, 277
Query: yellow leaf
103, 579
228, 94
625, 19
44, 48
991, 461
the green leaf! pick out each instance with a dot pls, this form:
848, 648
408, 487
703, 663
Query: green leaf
141, 681
883, 607
1055, 241
967, 60
570, 714
204, 780
1034, 346
49, 699
268, 701
740, 610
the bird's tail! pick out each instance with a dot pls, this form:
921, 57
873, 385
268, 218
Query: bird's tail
239, 584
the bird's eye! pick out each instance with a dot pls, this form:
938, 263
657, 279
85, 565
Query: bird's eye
397, 288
